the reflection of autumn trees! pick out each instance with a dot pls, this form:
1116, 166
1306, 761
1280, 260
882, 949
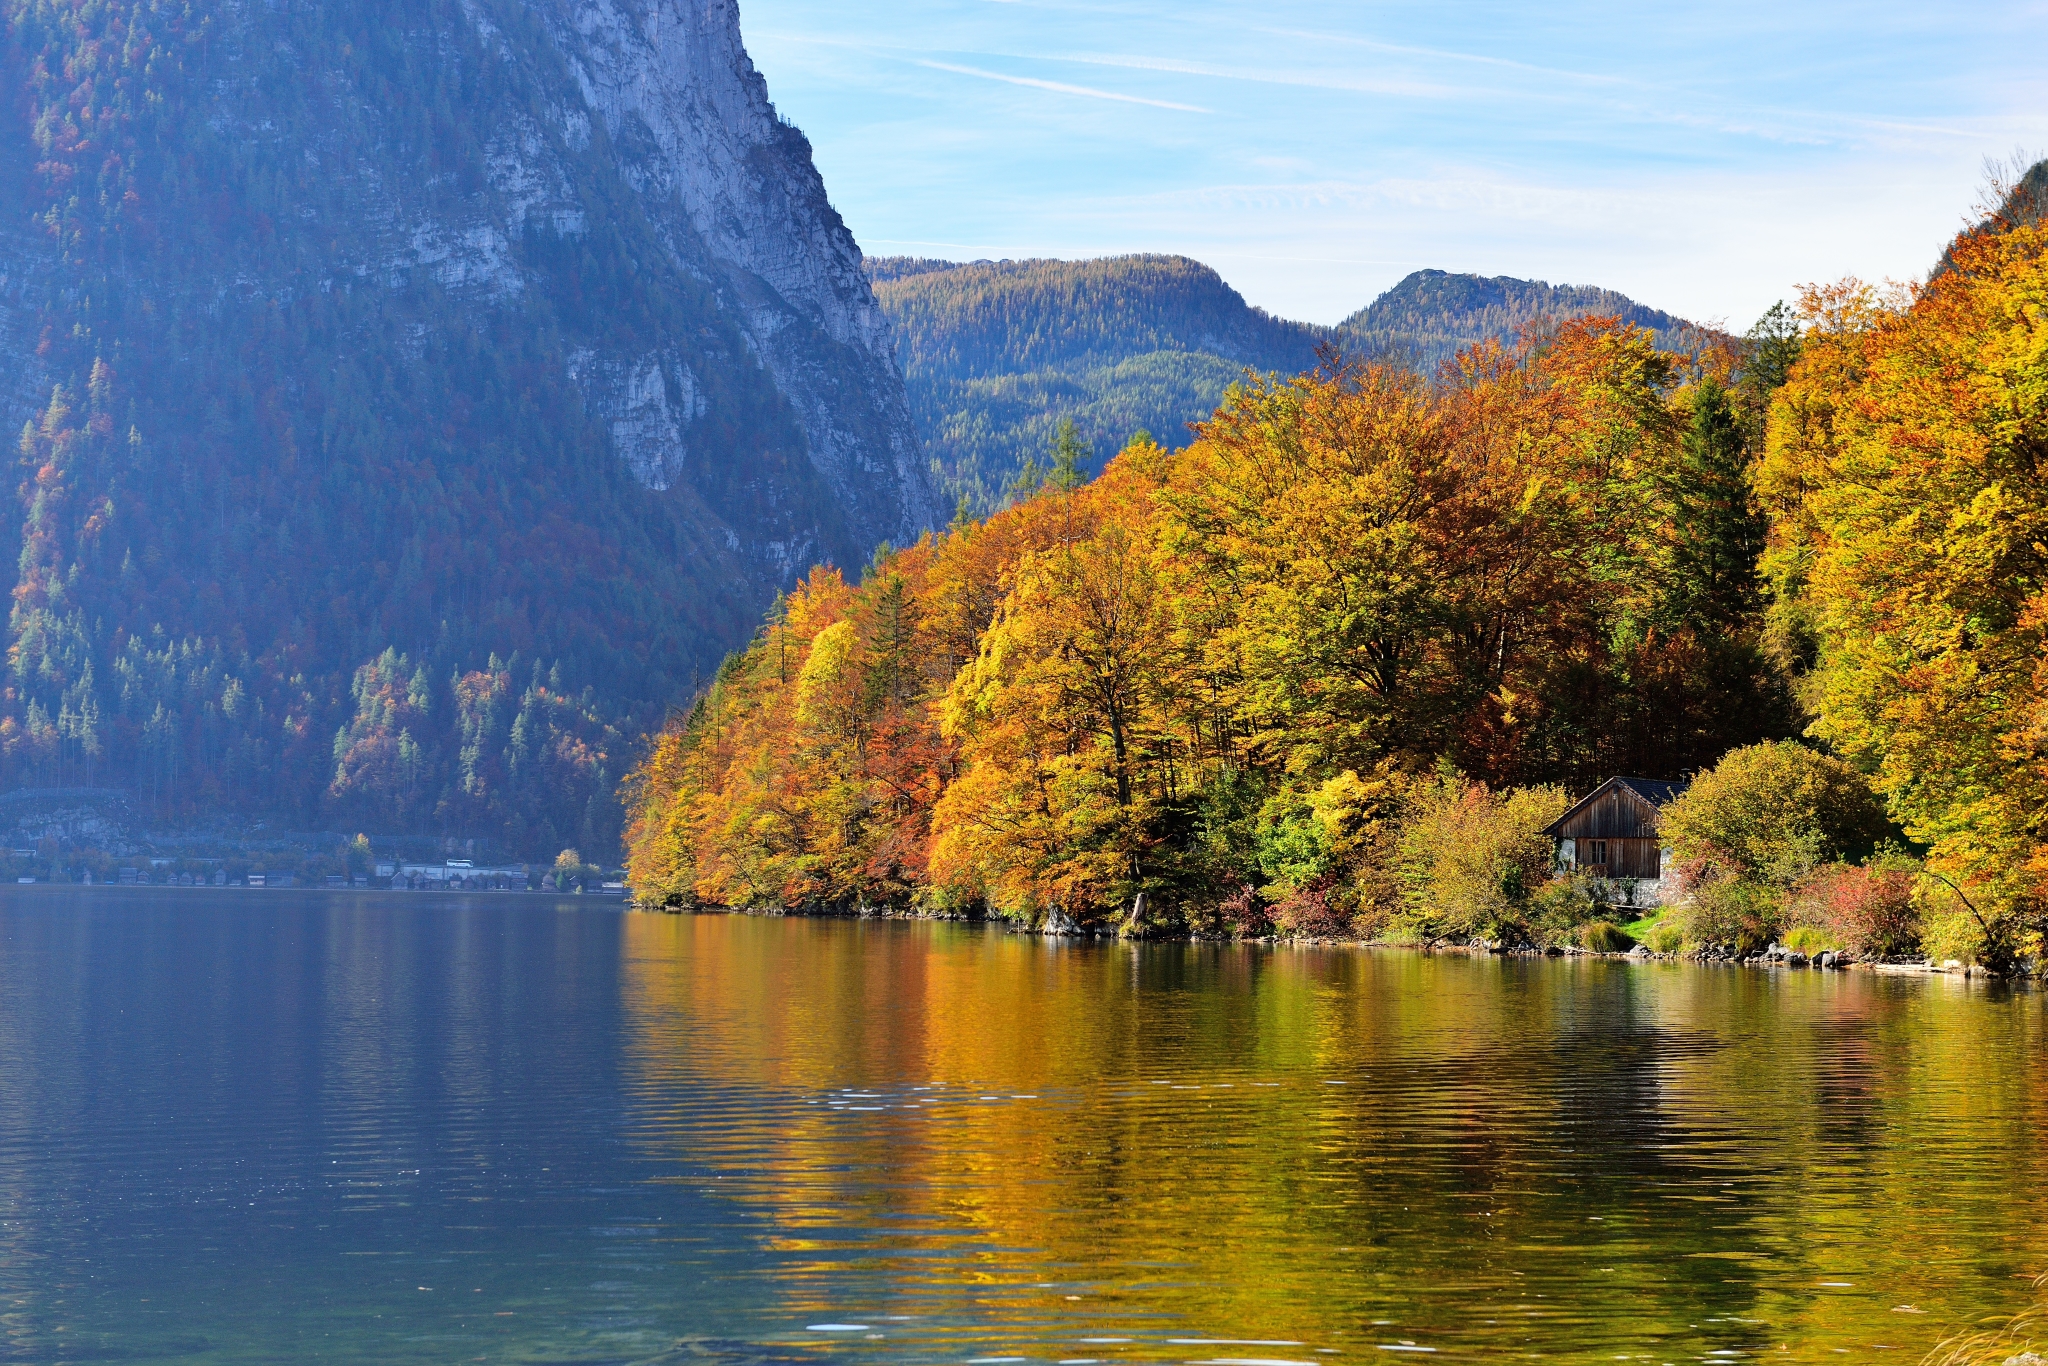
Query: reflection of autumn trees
1280, 1142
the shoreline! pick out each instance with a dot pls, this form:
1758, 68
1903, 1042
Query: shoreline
1639, 954
623, 898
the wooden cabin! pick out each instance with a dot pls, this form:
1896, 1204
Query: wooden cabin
1611, 832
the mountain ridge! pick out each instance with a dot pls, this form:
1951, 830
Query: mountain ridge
996, 354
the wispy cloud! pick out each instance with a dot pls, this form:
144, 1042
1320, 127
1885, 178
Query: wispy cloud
1304, 80
1058, 87
1452, 55
1701, 167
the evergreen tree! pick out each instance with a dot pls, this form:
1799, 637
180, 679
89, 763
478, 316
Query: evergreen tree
1068, 456
1770, 349
1717, 531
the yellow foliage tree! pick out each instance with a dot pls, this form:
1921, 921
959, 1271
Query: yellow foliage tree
1064, 742
1908, 471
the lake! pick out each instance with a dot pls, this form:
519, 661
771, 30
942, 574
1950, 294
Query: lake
375, 1127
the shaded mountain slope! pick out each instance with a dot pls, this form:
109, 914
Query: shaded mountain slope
417, 397
1432, 314
997, 353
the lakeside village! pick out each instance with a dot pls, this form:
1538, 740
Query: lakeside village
95, 837
95, 869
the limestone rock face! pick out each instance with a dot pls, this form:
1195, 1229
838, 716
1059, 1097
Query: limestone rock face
422, 397
639, 121
735, 195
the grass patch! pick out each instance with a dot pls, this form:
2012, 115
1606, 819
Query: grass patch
1658, 931
1638, 930
1605, 937
1808, 940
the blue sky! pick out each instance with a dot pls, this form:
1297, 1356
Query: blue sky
1702, 159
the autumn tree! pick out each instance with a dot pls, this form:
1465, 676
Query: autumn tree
1909, 473
1063, 741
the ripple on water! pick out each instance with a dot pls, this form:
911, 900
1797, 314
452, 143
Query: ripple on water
226, 1132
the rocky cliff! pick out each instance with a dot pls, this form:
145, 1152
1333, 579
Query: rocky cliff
359, 339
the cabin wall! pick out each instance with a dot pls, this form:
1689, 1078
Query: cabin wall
1636, 858
1617, 815
1618, 858
1614, 835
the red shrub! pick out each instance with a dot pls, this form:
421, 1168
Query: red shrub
1869, 909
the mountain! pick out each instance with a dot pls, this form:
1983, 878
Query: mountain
2022, 203
2026, 202
997, 353
415, 398
1432, 314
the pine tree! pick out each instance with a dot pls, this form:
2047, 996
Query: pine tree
1717, 530
1069, 453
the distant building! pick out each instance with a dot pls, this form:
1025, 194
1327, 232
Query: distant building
459, 873
1612, 833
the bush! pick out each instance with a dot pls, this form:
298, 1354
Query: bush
1757, 826
1604, 936
1561, 906
1771, 814
1472, 859
1315, 911
1808, 940
1666, 936
1867, 910
1742, 914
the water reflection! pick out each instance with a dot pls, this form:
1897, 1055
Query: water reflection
298, 1126
283, 1126
997, 1146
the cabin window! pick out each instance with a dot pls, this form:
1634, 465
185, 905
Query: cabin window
1595, 853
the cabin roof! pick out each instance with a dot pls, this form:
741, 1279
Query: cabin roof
1657, 793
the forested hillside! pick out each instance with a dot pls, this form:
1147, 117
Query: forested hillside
998, 354
417, 397
1433, 314
1543, 572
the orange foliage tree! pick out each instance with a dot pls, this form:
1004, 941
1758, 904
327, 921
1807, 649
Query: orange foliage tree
1136, 688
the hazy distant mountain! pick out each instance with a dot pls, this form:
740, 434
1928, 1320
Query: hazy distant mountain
996, 353
1432, 314
419, 394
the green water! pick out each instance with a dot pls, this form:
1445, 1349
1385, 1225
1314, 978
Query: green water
259, 1126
